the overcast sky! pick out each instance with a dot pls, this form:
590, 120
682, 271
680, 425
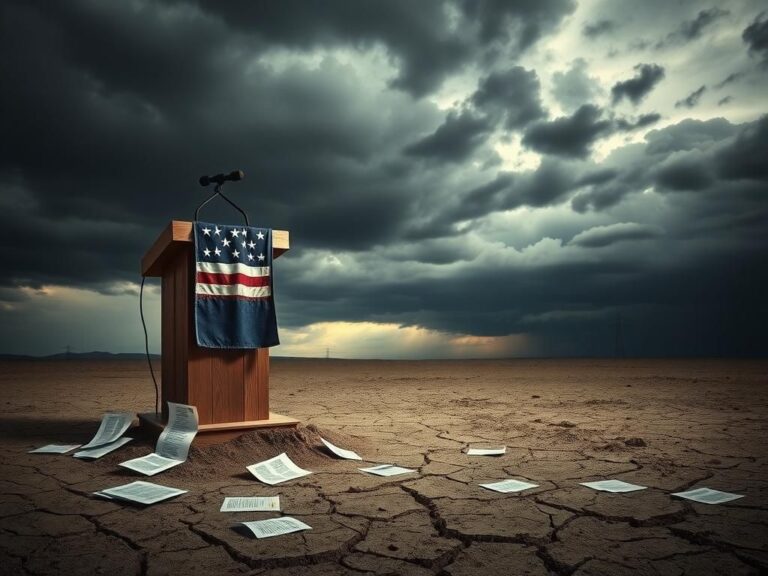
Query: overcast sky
460, 178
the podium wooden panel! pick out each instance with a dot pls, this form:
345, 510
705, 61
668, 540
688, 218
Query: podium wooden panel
229, 387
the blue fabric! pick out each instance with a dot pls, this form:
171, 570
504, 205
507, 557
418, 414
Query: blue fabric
229, 312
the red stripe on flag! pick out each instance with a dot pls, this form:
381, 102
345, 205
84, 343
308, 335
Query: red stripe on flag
230, 279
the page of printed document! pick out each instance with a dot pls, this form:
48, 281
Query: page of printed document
386, 470
173, 445
276, 470
276, 526
99, 451
251, 504
613, 486
708, 496
176, 438
142, 492
506, 486
340, 452
487, 451
113, 425
150, 464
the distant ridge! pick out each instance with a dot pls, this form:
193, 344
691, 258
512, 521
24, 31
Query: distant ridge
82, 356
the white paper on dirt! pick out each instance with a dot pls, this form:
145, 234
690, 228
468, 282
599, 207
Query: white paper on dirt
340, 452
141, 492
386, 470
276, 470
54, 449
506, 486
613, 486
150, 464
251, 504
708, 496
487, 451
99, 451
113, 425
173, 445
176, 438
276, 526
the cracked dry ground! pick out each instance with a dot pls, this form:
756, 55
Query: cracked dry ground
564, 422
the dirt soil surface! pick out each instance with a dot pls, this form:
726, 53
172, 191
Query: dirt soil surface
668, 425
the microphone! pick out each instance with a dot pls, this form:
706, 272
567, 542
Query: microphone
219, 179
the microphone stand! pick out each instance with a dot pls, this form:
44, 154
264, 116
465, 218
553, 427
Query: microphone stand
217, 192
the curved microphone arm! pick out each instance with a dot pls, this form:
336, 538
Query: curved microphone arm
217, 192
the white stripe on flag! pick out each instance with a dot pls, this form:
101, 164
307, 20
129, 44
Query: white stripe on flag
233, 290
222, 268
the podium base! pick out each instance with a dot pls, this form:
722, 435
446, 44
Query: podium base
152, 424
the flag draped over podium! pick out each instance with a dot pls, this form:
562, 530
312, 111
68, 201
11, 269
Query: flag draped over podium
234, 303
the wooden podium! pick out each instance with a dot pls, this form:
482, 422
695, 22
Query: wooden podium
229, 387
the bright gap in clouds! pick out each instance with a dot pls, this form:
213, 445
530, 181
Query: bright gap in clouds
390, 341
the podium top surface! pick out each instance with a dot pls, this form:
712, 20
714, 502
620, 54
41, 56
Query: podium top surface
178, 234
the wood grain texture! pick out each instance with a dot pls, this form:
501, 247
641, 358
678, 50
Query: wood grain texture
227, 386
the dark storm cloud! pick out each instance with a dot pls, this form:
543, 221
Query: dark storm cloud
511, 96
421, 35
692, 100
601, 236
570, 136
725, 100
692, 29
599, 28
455, 140
692, 156
638, 87
745, 157
643, 121
756, 37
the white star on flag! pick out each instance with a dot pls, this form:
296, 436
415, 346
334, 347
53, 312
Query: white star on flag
250, 256
217, 231
235, 233
207, 231
235, 254
261, 256
207, 252
217, 252
251, 244
225, 242
244, 243
260, 236
243, 232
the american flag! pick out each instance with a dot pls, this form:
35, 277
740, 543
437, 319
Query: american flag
234, 305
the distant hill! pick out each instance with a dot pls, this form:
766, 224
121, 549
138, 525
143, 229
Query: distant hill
82, 356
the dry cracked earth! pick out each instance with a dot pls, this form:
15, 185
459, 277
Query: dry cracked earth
668, 425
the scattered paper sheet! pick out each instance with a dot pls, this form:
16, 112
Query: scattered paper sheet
386, 470
99, 451
613, 486
708, 496
141, 492
487, 451
506, 486
276, 470
251, 504
276, 526
340, 452
54, 449
173, 445
113, 425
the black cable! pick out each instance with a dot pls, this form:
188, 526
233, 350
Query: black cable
146, 344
